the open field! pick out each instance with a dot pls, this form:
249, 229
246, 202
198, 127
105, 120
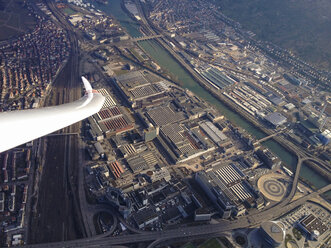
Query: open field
211, 243
69, 11
302, 26
15, 19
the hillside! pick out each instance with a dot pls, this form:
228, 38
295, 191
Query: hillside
302, 26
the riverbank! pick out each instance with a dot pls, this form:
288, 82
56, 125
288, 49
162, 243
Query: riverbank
170, 65
241, 112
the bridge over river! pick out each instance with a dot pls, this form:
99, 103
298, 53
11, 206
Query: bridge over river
147, 37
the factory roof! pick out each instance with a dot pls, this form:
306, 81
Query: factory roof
99, 148
137, 163
289, 106
116, 169
108, 112
144, 216
312, 224
132, 79
142, 161
164, 115
228, 179
229, 173
276, 100
109, 101
213, 132
276, 119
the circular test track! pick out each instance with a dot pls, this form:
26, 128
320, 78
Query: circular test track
274, 188
271, 188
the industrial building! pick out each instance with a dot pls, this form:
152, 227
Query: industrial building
226, 186
158, 175
116, 169
116, 125
184, 142
142, 161
145, 217
312, 226
95, 131
214, 133
99, 149
109, 120
293, 80
151, 133
202, 214
249, 97
116, 198
325, 137
141, 87
127, 150
193, 107
275, 119
109, 101
163, 115
289, 106
217, 78
268, 158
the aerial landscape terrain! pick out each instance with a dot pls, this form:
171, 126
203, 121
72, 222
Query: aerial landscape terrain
14, 19
208, 123
302, 26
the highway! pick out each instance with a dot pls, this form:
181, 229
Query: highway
196, 231
193, 231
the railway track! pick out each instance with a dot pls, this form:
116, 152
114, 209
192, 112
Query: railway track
58, 213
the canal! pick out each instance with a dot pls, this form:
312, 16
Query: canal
169, 64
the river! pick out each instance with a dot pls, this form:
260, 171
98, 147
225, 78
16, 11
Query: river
162, 57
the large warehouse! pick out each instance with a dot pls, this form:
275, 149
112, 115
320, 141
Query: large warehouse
226, 186
141, 87
275, 119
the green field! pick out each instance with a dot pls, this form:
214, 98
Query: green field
15, 19
302, 26
69, 11
188, 245
211, 243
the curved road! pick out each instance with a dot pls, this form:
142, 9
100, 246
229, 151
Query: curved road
194, 231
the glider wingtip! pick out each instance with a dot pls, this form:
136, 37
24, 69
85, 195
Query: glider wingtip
87, 84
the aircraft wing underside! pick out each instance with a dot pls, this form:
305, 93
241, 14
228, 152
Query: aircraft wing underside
21, 126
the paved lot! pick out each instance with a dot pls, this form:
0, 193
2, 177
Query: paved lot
272, 188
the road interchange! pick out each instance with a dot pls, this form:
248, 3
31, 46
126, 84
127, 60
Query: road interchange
195, 231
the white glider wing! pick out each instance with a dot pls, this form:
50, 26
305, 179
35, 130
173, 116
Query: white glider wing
21, 126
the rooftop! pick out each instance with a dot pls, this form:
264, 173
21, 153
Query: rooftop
276, 119
274, 230
311, 223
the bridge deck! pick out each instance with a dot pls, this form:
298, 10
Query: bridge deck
147, 37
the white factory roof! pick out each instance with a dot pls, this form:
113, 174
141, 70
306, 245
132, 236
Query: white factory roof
276, 118
213, 132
